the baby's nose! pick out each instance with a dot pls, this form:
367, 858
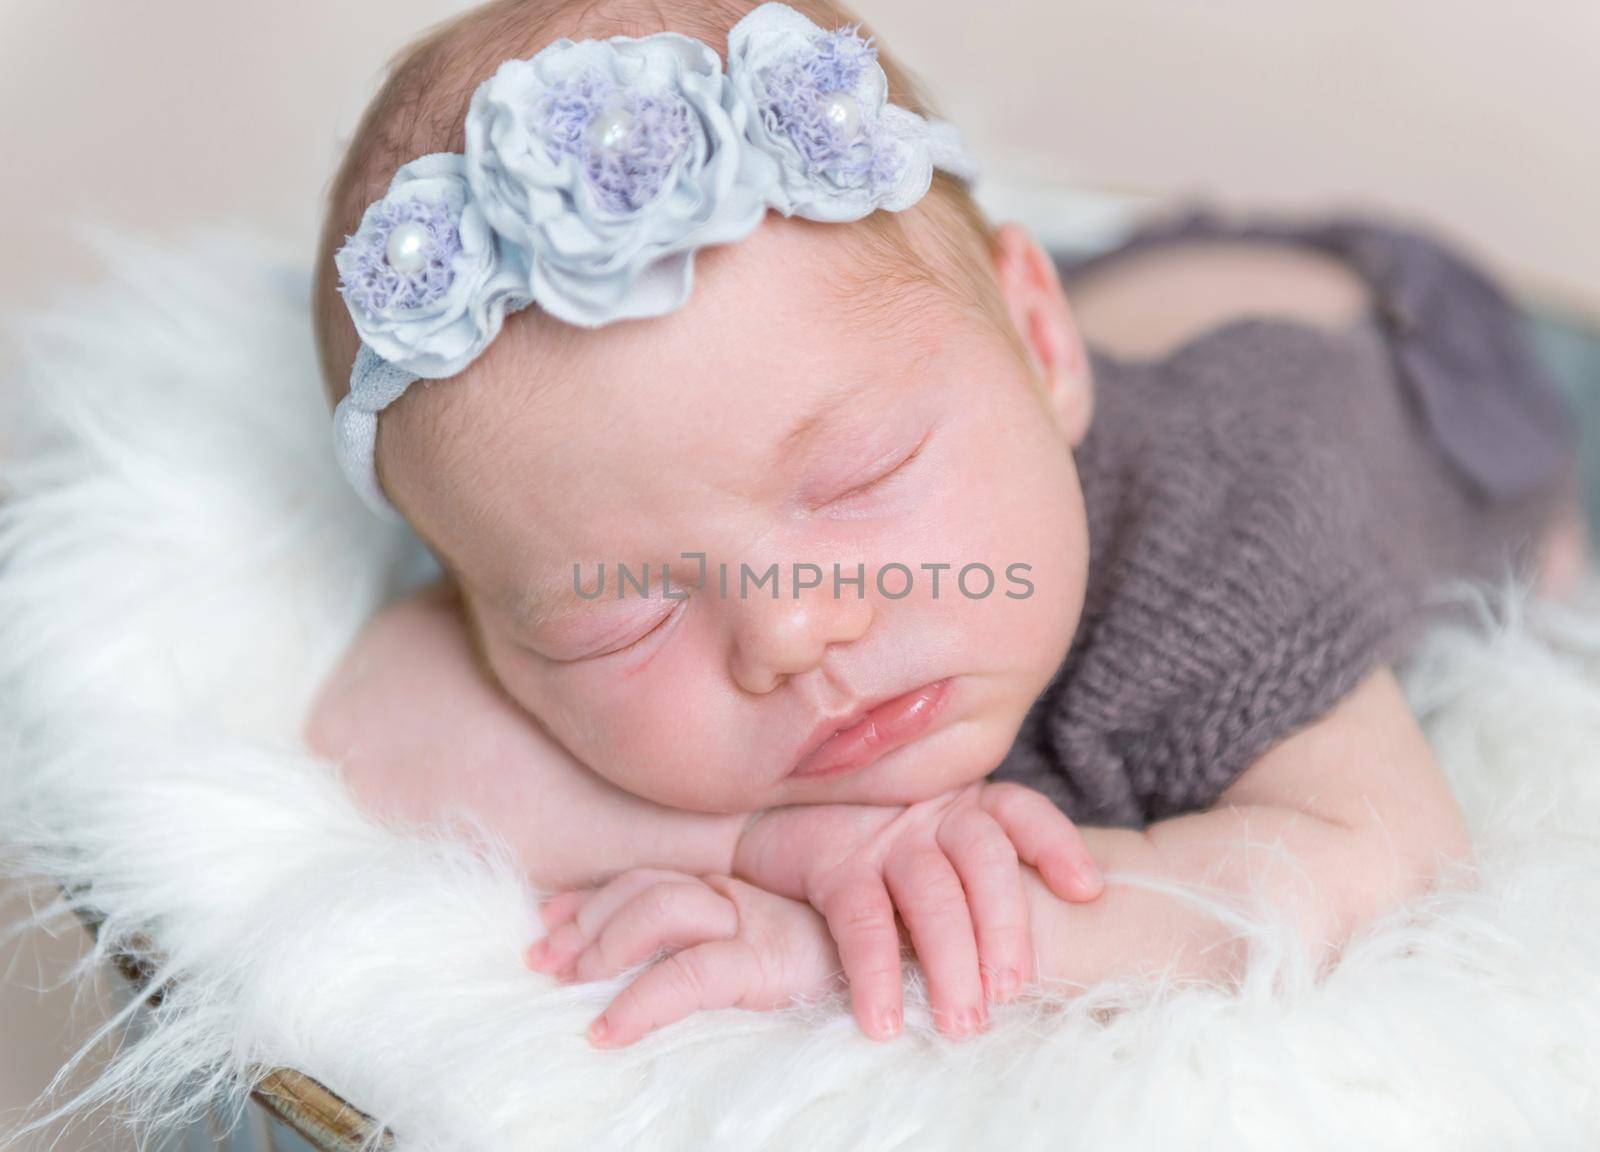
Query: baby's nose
785, 635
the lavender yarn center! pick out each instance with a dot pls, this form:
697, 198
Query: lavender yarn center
370, 282
645, 135
800, 104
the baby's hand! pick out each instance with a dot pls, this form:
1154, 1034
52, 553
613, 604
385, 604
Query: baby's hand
951, 867
731, 943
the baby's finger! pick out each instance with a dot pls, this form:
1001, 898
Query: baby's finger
562, 946
563, 906
860, 918
1045, 838
671, 916
713, 975
934, 906
986, 862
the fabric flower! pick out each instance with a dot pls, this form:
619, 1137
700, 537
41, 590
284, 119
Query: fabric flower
821, 110
423, 275
606, 163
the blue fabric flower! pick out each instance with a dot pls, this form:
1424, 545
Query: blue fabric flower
818, 104
423, 275
606, 163
821, 110
594, 171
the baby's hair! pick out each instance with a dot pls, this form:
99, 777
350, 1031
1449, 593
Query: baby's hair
422, 106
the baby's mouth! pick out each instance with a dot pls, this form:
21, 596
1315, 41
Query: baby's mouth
882, 728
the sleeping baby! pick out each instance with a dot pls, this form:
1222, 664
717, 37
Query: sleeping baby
813, 588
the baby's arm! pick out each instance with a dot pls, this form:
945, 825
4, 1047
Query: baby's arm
1341, 822
418, 729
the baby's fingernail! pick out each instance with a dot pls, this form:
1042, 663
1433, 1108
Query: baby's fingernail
599, 1030
1087, 877
970, 1020
886, 1023
1005, 984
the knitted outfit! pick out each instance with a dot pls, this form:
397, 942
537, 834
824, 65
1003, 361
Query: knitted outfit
1269, 507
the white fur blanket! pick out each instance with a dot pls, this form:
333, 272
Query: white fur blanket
180, 564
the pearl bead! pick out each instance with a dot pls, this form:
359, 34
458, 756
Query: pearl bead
408, 248
841, 110
609, 129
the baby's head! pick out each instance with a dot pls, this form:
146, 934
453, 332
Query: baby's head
898, 396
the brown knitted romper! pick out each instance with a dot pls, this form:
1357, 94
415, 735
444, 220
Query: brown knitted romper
1271, 508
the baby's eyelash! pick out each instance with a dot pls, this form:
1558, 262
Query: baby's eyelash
868, 485
634, 643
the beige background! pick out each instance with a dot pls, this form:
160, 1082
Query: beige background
1482, 116
1479, 116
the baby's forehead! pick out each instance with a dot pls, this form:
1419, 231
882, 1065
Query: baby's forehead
773, 327
773, 355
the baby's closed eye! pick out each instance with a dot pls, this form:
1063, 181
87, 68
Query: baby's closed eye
661, 624
869, 492
603, 637
891, 465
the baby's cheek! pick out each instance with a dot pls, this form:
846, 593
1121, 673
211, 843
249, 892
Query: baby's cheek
1038, 543
1034, 591
668, 739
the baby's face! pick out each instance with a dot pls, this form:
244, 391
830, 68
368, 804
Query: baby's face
765, 422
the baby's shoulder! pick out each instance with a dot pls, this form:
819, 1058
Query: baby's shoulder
1238, 582
1258, 428
1272, 378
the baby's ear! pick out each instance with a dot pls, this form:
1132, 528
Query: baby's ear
1039, 310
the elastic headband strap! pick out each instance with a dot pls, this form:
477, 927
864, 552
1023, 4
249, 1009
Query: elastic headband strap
374, 385
940, 137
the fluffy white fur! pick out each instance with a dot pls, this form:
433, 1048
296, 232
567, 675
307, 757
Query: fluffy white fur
180, 564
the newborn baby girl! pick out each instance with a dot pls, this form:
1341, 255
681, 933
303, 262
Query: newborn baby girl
822, 574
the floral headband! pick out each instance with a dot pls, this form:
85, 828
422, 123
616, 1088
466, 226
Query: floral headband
594, 170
